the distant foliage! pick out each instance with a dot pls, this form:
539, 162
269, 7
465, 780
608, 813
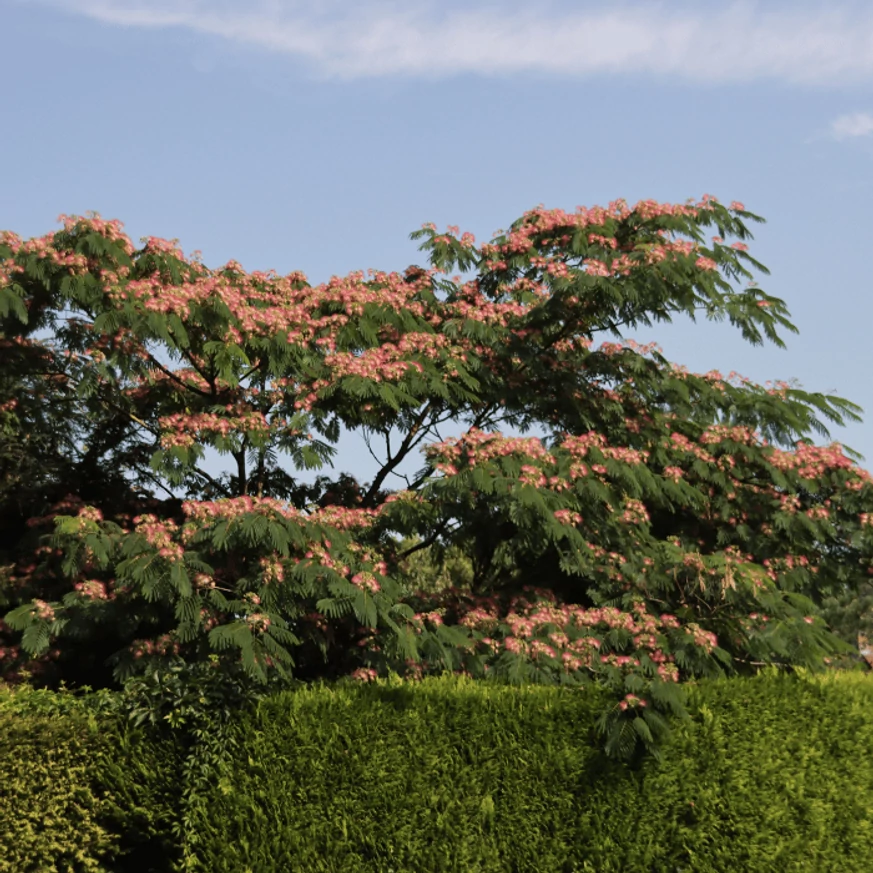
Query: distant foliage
663, 524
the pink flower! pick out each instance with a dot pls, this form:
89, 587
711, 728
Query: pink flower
44, 610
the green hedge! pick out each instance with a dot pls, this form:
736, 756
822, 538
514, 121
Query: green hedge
772, 774
80, 790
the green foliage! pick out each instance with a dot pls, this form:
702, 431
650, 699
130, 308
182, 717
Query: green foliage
190, 707
771, 774
82, 792
50, 822
448, 775
432, 569
850, 612
679, 525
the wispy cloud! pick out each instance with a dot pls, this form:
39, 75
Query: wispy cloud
852, 125
735, 42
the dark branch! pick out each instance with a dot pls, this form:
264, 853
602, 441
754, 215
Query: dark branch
171, 375
425, 543
408, 443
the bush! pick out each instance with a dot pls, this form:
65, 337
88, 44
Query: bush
82, 791
771, 774
449, 775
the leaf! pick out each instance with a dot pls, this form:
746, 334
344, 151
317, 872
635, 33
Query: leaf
365, 609
11, 301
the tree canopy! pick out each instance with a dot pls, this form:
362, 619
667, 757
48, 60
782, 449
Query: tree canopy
582, 512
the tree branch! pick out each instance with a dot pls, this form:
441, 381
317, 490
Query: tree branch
154, 479
214, 482
240, 458
408, 442
171, 375
429, 541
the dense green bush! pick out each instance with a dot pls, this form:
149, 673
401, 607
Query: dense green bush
771, 774
447, 775
81, 790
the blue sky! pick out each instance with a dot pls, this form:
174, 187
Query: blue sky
307, 136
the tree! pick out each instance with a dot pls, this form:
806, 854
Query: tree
663, 525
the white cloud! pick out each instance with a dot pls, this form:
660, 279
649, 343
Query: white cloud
853, 125
736, 42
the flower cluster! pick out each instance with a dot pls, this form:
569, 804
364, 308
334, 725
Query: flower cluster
91, 589
183, 430
166, 644
632, 701
160, 535
706, 640
272, 570
43, 610
259, 622
634, 512
476, 447
567, 637
813, 462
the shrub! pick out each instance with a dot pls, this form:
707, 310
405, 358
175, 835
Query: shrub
770, 774
82, 791
449, 775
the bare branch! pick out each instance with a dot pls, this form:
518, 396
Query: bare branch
240, 458
429, 541
410, 440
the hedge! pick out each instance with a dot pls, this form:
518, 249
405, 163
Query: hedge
771, 774
81, 791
